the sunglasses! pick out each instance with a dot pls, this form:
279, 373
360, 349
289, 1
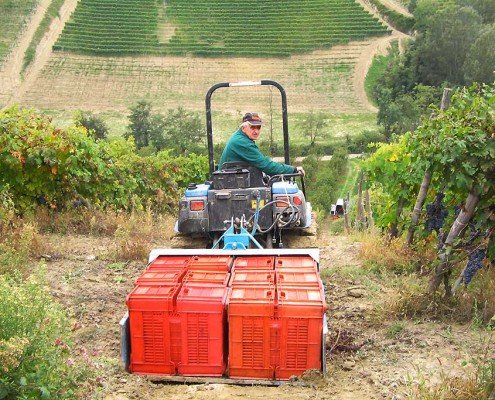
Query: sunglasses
255, 127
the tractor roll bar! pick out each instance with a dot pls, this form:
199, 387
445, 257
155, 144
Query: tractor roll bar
264, 82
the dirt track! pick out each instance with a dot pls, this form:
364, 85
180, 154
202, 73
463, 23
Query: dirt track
94, 289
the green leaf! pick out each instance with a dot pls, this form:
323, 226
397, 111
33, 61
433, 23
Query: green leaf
45, 393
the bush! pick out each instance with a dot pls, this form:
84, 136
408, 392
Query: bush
360, 142
35, 345
323, 179
65, 168
95, 126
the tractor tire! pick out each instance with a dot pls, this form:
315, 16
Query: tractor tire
302, 238
296, 240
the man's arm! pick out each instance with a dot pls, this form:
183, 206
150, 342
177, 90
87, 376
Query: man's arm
249, 152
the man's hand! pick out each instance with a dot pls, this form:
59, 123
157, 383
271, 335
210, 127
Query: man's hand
300, 170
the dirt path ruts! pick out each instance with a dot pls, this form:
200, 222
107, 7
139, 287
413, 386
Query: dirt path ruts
11, 73
396, 7
376, 47
44, 49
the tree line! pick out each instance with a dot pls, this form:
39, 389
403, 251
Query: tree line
453, 46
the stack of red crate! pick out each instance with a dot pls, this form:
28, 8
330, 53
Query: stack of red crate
154, 324
300, 309
177, 316
188, 313
251, 313
201, 306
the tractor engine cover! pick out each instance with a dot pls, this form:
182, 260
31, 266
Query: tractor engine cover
227, 203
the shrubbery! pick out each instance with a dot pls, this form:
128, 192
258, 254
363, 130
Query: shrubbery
324, 179
66, 167
35, 348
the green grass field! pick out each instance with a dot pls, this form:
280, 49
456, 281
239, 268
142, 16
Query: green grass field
339, 125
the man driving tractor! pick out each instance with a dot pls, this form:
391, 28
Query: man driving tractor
242, 147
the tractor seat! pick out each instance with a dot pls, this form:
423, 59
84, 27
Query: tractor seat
237, 175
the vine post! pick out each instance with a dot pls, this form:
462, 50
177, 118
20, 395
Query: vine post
360, 208
458, 226
425, 184
346, 214
369, 211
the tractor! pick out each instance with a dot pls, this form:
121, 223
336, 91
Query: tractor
239, 198
246, 305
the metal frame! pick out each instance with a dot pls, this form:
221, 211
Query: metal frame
263, 82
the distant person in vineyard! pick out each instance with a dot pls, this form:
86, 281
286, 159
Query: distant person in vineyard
242, 147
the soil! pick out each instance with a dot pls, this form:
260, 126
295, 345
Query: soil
364, 359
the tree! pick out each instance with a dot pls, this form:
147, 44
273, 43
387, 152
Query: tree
145, 127
182, 132
312, 126
480, 61
442, 49
95, 125
485, 8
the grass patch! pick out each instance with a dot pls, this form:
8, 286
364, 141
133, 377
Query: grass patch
211, 29
378, 68
51, 13
477, 383
339, 127
379, 255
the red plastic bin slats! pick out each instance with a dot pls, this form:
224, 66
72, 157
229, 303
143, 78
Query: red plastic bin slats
298, 278
254, 262
153, 298
210, 263
295, 262
169, 262
300, 310
163, 277
203, 319
251, 277
207, 277
152, 332
253, 332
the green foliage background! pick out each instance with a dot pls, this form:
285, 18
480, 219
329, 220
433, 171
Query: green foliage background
42, 164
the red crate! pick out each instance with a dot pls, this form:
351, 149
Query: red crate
291, 276
169, 262
160, 277
210, 263
154, 332
254, 262
301, 311
202, 313
253, 332
207, 277
295, 262
251, 277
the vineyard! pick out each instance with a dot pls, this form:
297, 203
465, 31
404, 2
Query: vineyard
215, 28
448, 162
321, 81
12, 19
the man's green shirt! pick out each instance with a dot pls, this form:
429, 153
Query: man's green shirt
241, 148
